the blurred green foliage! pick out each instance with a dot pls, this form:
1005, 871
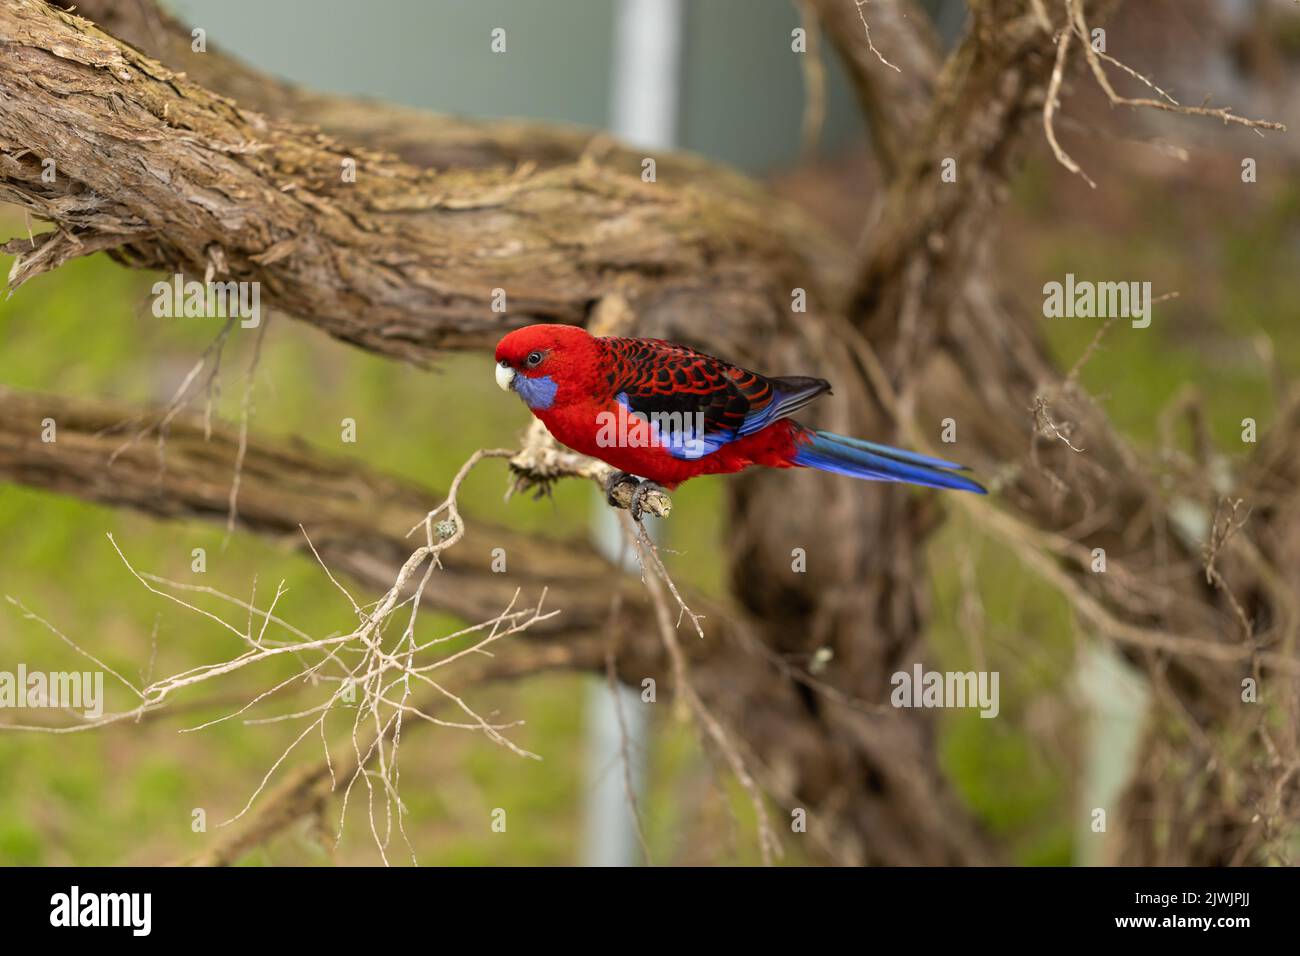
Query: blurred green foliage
125, 794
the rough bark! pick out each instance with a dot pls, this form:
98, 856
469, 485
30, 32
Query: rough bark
419, 137
964, 353
357, 521
693, 264
403, 261
892, 88
922, 336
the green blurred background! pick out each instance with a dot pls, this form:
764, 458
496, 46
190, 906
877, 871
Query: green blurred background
124, 794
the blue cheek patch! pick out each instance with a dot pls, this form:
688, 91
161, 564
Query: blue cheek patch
538, 393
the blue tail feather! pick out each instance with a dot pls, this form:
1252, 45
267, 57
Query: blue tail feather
827, 451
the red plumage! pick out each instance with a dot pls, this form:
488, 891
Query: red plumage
668, 413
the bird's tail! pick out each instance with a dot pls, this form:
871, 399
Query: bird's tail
827, 451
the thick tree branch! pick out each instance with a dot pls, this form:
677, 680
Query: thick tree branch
890, 98
418, 137
357, 521
403, 261
958, 351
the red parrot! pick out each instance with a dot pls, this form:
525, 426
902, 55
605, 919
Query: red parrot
665, 413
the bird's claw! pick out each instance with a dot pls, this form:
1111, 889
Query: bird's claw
640, 491
612, 483
637, 507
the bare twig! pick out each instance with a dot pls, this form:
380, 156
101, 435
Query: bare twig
1075, 12
867, 27
1050, 104
655, 582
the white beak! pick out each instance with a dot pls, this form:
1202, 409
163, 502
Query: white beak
505, 376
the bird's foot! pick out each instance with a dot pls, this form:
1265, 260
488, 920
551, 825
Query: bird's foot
612, 484
637, 507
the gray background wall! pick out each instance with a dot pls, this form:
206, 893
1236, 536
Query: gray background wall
742, 96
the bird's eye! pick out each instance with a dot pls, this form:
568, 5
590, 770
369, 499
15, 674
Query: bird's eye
534, 359
504, 363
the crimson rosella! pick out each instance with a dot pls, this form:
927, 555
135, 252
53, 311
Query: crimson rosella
665, 413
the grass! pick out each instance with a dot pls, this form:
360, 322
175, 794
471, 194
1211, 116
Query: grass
129, 794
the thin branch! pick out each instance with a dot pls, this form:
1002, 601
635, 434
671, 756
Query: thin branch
870, 43
1050, 104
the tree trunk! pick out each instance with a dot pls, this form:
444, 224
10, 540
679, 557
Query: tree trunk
169, 174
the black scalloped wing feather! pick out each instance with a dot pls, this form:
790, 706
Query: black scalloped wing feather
657, 378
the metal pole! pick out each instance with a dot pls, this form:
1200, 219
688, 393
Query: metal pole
643, 111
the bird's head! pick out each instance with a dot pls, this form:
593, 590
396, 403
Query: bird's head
547, 364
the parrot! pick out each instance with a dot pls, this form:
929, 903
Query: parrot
661, 413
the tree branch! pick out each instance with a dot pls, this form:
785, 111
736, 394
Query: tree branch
357, 518
404, 261
890, 98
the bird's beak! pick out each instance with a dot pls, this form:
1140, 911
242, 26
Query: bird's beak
505, 377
